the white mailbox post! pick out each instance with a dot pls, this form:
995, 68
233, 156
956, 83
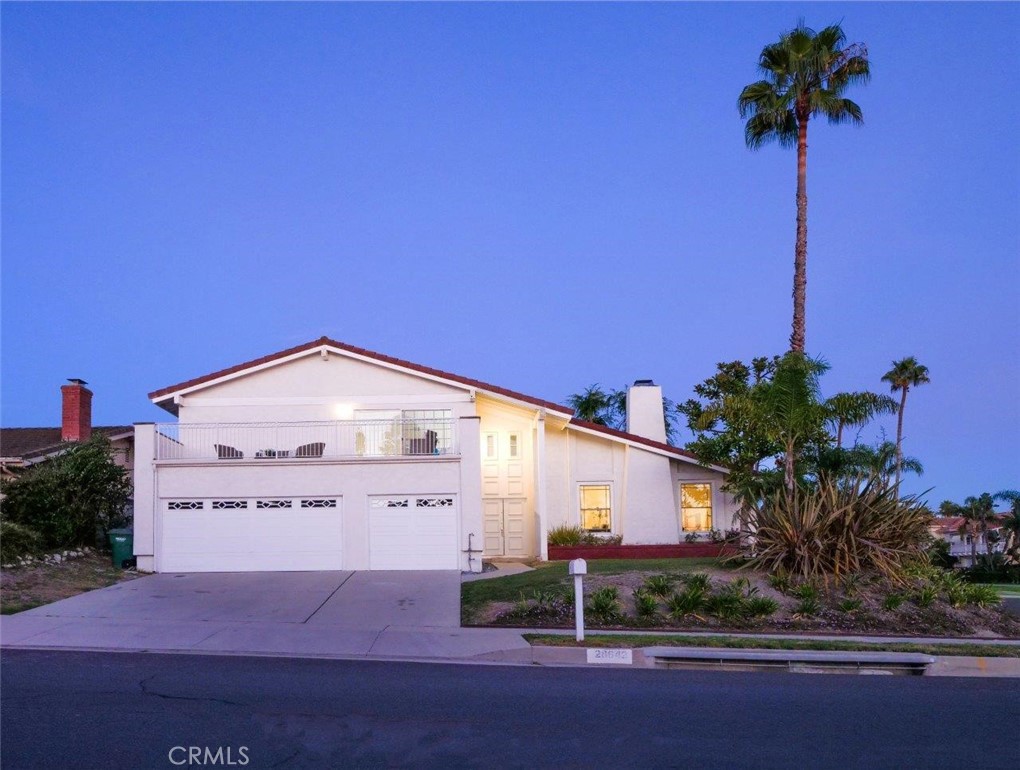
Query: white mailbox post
579, 568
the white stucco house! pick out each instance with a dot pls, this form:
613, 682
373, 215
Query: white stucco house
327, 456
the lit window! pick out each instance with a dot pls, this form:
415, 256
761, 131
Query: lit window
696, 507
596, 508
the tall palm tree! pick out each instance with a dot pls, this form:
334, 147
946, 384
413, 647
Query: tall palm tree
805, 74
905, 374
858, 408
592, 405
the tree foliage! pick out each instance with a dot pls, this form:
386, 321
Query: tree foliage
70, 499
609, 408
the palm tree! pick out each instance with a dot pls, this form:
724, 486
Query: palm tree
592, 405
905, 374
850, 409
806, 74
977, 512
1011, 523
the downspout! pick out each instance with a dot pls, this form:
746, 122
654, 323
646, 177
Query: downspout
540, 503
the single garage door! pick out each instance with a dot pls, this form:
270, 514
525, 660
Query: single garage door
251, 535
410, 532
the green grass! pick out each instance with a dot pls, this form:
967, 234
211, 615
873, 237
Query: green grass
553, 575
745, 643
1007, 589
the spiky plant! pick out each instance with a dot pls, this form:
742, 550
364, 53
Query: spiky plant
838, 528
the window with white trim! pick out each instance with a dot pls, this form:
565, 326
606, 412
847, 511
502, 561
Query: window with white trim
515, 446
596, 507
696, 507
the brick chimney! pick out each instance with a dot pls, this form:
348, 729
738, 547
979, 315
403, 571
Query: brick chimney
76, 422
644, 411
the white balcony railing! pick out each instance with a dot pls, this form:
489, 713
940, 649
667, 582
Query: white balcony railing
305, 440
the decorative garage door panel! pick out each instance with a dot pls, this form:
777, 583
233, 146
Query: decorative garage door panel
251, 534
413, 532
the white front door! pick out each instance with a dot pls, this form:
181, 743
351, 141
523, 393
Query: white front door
413, 532
236, 534
504, 527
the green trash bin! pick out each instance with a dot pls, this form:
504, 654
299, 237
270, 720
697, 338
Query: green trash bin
122, 544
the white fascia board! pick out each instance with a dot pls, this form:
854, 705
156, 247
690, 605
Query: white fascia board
645, 447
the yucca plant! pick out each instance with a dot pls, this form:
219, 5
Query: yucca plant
659, 585
839, 528
645, 604
893, 602
760, 606
605, 604
687, 602
926, 595
983, 595
698, 580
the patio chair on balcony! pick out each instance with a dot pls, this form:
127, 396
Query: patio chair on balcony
423, 446
225, 452
310, 450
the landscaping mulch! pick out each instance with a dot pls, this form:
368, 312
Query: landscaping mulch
23, 588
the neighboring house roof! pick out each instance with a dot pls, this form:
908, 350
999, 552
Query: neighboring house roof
164, 395
29, 443
950, 525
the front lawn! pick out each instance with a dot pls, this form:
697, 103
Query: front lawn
476, 595
23, 588
634, 641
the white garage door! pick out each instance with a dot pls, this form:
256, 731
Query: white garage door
413, 532
251, 535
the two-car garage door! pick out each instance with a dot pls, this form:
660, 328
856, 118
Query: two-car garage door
252, 535
307, 533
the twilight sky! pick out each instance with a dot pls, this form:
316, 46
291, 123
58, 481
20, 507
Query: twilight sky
540, 196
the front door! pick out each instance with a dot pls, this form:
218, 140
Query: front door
504, 526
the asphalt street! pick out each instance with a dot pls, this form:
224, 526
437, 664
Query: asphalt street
133, 710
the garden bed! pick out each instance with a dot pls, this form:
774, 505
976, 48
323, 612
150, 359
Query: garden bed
734, 600
672, 551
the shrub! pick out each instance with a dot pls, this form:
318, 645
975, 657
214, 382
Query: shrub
727, 603
691, 537
780, 581
926, 595
892, 602
808, 607
698, 580
850, 605
839, 527
761, 606
982, 595
605, 604
72, 498
659, 585
574, 536
686, 602
543, 606
807, 591
18, 541
565, 535
716, 536
645, 604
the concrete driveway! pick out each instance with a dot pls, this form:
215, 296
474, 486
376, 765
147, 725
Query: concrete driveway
353, 600
332, 614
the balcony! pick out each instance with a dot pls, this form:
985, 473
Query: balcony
303, 441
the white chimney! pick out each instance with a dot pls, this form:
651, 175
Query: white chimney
644, 411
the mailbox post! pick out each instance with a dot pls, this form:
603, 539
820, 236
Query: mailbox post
579, 568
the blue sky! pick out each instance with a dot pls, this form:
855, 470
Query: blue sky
541, 196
